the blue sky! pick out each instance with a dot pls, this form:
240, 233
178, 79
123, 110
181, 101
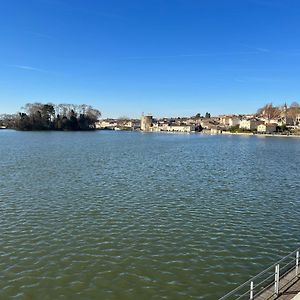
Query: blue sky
165, 57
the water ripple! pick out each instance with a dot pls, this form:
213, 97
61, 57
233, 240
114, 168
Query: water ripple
142, 216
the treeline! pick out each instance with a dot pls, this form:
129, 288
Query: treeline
7, 121
39, 116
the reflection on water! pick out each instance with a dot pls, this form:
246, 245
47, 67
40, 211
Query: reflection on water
107, 215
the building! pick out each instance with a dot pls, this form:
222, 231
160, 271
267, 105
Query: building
209, 123
146, 123
164, 125
250, 124
230, 121
267, 128
106, 124
157, 127
178, 128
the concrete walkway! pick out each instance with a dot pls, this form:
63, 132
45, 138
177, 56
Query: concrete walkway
289, 288
297, 297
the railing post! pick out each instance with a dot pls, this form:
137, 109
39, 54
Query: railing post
251, 290
276, 285
297, 263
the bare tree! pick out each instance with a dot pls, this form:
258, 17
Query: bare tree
269, 112
93, 114
8, 120
294, 112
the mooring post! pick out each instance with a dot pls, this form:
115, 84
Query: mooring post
251, 290
276, 285
297, 263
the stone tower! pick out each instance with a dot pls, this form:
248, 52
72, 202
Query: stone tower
146, 122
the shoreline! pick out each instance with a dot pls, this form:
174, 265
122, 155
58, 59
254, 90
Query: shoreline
260, 134
170, 132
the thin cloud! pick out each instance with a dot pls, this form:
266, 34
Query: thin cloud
263, 50
255, 49
38, 34
28, 68
203, 54
256, 79
167, 56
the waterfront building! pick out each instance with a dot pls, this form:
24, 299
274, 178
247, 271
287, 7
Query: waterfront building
167, 125
134, 124
208, 123
146, 122
179, 128
230, 121
106, 124
266, 128
250, 124
156, 127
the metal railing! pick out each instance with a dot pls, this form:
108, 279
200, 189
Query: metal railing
275, 278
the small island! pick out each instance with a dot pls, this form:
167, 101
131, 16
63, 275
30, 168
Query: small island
39, 116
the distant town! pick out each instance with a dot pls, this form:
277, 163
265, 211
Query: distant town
283, 120
275, 120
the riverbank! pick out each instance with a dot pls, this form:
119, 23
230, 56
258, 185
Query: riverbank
172, 132
260, 134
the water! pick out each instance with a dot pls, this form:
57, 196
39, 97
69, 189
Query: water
124, 215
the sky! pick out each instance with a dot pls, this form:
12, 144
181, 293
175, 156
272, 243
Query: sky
163, 57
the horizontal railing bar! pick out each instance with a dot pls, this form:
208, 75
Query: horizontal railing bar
235, 290
294, 252
290, 263
261, 282
258, 275
269, 286
287, 272
247, 292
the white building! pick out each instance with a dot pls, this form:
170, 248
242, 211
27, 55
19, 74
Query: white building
110, 124
180, 128
250, 124
172, 128
267, 128
230, 121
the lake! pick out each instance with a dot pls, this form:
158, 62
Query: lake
129, 215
